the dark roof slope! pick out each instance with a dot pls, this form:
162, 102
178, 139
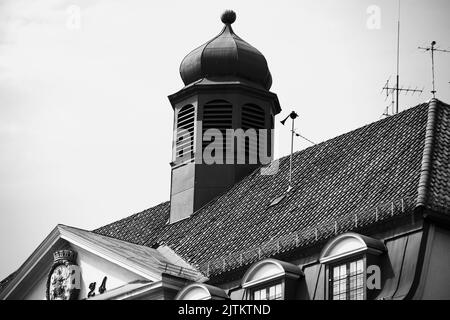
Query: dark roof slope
140, 226
356, 179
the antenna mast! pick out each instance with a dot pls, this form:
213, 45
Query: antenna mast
398, 56
293, 115
396, 88
433, 49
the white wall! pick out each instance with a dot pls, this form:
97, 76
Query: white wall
93, 269
38, 292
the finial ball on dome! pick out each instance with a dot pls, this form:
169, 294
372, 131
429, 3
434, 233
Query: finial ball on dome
228, 17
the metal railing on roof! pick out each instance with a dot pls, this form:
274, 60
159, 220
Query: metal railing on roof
302, 238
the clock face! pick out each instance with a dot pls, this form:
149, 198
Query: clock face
63, 282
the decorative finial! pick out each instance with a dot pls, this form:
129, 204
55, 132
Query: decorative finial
228, 17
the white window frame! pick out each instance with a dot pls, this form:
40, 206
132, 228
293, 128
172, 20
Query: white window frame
346, 248
277, 272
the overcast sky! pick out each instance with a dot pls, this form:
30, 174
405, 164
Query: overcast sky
85, 123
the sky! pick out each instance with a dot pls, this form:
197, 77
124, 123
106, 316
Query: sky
85, 123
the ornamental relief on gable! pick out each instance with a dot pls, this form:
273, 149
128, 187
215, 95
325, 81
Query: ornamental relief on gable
64, 278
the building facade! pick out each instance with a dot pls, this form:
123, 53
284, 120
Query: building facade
365, 216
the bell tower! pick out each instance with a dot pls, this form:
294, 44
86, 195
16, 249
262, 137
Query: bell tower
223, 120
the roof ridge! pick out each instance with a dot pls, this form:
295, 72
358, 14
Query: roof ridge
425, 169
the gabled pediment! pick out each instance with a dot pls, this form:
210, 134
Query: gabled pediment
95, 257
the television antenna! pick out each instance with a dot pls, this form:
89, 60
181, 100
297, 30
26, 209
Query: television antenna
398, 58
394, 91
390, 90
432, 49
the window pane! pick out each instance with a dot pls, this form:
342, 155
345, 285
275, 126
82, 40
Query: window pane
343, 271
278, 291
335, 289
360, 266
343, 286
352, 283
272, 293
352, 267
263, 294
359, 294
336, 273
359, 280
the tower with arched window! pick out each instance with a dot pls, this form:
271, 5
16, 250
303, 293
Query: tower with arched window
223, 120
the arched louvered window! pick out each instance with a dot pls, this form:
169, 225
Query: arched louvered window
253, 117
185, 132
218, 114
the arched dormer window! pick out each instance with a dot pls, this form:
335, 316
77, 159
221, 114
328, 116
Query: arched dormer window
201, 291
184, 147
271, 279
347, 258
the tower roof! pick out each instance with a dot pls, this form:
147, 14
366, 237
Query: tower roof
226, 56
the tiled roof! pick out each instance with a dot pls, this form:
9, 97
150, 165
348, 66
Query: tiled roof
337, 184
140, 226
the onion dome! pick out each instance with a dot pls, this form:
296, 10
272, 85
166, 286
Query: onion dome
226, 57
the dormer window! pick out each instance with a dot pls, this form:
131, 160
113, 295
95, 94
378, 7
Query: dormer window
201, 291
347, 258
271, 279
347, 281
